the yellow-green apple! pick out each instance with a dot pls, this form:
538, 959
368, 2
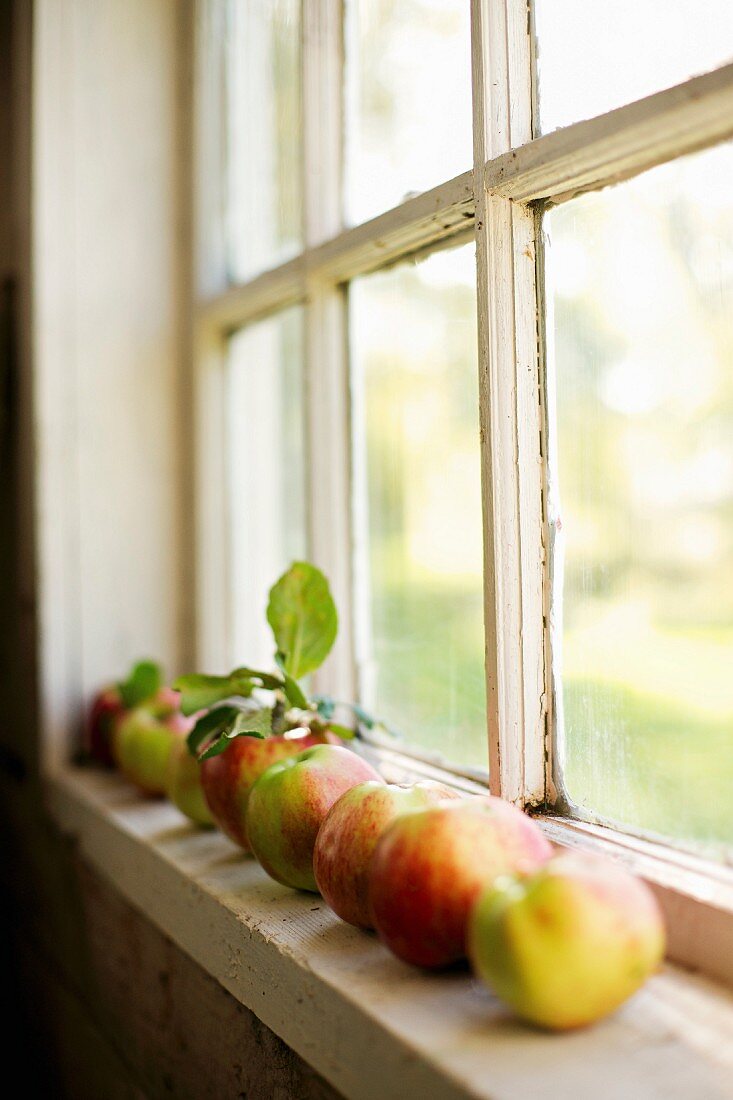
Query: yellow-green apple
430, 866
568, 944
288, 804
349, 834
183, 784
227, 778
143, 738
106, 709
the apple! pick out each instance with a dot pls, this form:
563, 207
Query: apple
227, 778
183, 784
288, 804
106, 709
143, 738
430, 866
568, 944
348, 836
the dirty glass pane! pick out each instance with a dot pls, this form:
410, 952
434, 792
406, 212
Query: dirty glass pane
266, 444
594, 57
408, 117
640, 293
414, 372
264, 134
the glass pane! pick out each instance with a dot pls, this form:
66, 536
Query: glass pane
408, 74
266, 472
594, 57
641, 282
413, 332
263, 134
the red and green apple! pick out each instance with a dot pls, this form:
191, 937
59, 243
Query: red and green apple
105, 710
183, 784
568, 944
349, 835
288, 804
431, 865
143, 738
227, 779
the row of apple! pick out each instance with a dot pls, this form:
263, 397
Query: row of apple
563, 939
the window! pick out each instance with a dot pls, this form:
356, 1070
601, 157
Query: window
592, 58
511, 379
266, 465
413, 353
642, 294
263, 149
406, 131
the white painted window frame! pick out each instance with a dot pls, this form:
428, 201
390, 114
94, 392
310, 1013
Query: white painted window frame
500, 199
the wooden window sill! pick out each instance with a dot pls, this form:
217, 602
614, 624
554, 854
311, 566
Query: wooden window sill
369, 1024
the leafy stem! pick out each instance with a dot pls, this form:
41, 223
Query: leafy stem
302, 615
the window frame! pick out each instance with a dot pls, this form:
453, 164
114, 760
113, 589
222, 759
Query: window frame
515, 175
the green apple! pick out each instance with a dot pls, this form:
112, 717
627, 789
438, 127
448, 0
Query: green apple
288, 804
183, 784
348, 837
143, 738
568, 944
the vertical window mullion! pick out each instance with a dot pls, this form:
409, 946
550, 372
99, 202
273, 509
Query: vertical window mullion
326, 359
510, 413
212, 625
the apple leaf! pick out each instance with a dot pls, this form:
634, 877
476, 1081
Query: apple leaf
346, 733
291, 687
209, 726
303, 618
145, 679
325, 706
199, 691
262, 679
366, 719
246, 724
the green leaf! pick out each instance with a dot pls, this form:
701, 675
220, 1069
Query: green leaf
246, 724
262, 679
344, 732
199, 691
303, 618
325, 706
366, 719
144, 681
210, 725
291, 687
294, 694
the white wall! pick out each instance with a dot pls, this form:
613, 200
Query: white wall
109, 255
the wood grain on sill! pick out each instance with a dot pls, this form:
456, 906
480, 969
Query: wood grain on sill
370, 1025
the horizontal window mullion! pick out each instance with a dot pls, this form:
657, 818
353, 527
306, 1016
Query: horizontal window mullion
425, 220
276, 289
617, 145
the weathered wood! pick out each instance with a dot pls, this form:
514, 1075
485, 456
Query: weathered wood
617, 145
115, 1009
184, 1035
428, 219
509, 405
370, 1025
326, 365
